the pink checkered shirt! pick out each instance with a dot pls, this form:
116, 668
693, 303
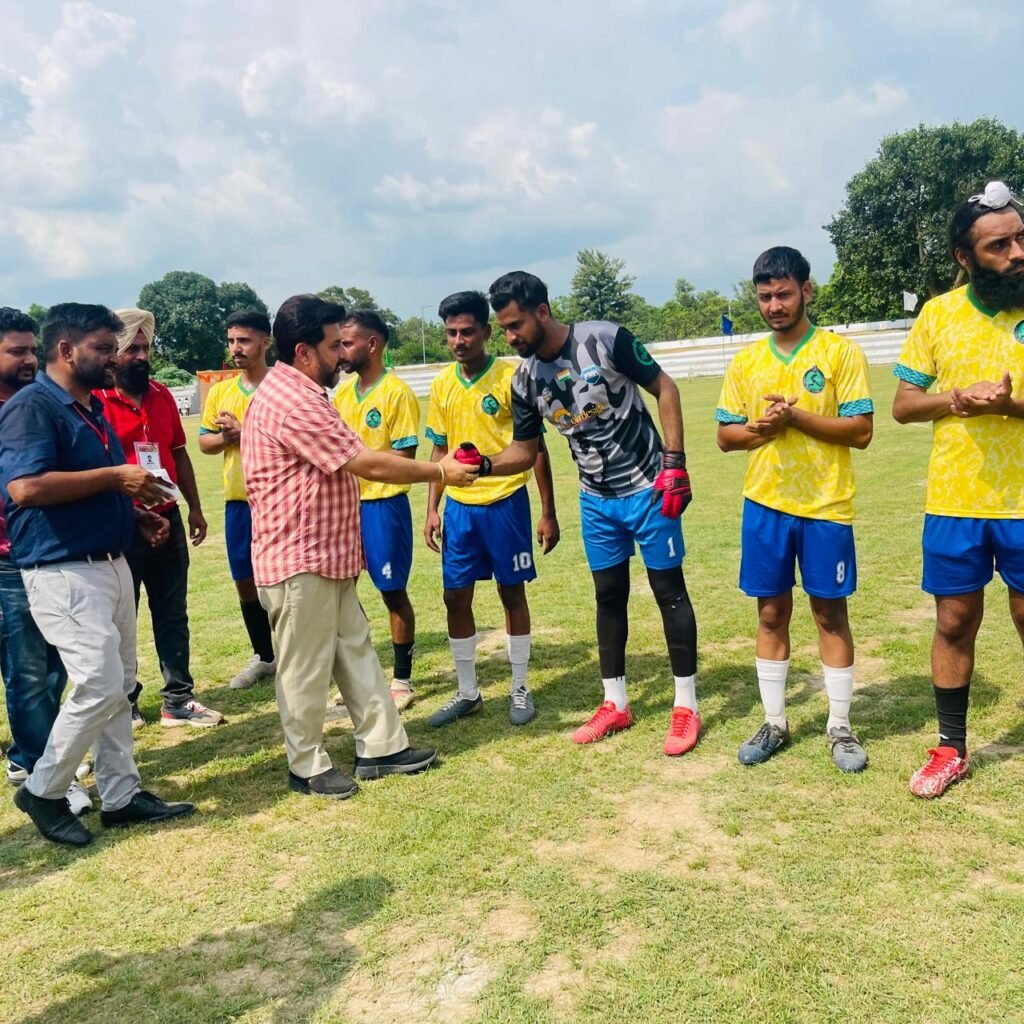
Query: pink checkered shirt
305, 513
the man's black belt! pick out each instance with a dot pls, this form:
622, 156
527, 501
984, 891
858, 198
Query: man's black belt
92, 556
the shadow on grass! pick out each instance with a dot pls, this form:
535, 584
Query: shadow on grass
287, 969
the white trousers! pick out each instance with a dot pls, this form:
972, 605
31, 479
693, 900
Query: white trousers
87, 611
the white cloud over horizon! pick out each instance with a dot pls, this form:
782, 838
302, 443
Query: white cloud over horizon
418, 148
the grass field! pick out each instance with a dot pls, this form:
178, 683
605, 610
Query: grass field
531, 880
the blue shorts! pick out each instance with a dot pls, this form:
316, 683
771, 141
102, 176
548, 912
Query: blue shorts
481, 541
386, 525
959, 554
238, 534
775, 542
611, 527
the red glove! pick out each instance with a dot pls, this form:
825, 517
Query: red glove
469, 454
672, 486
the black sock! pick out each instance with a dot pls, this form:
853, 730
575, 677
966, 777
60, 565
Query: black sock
257, 625
951, 706
403, 660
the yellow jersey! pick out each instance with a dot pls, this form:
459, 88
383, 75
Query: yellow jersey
976, 469
386, 416
793, 472
228, 396
477, 410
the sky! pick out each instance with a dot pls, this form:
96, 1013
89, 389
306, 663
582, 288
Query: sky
421, 147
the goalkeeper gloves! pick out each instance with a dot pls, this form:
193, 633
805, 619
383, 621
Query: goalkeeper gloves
672, 485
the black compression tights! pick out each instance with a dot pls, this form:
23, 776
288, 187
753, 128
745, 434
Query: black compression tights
611, 588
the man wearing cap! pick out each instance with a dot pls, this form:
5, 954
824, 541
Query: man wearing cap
146, 420
68, 497
969, 343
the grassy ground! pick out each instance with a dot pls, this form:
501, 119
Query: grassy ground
532, 880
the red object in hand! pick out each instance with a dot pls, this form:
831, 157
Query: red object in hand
468, 453
672, 486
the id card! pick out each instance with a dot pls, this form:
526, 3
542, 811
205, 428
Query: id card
147, 453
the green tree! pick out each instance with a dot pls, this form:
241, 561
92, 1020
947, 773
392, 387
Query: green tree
174, 377
601, 290
359, 298
189, 319
890, 235
416, 335
235, 296
37, 312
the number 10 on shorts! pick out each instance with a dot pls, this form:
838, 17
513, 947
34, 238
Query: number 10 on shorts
522, 561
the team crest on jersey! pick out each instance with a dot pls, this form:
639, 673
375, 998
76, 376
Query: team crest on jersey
490, 405
641, 353
592, 374
1018, 332
373, 418
814, 381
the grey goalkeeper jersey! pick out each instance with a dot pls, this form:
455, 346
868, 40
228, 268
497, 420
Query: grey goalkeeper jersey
589, 393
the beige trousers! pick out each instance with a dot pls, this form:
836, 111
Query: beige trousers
323, 636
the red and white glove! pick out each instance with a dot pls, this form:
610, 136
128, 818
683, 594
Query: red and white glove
468, 454
672, 486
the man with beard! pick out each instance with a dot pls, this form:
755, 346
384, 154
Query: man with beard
300, 463
145, 418
585, 379
221, 432
68, 500
797, 401
382, 409
34, 676
970, 344
487, 528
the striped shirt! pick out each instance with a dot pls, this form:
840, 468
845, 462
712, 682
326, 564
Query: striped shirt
305, 512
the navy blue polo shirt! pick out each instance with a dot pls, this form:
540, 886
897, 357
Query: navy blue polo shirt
43, 429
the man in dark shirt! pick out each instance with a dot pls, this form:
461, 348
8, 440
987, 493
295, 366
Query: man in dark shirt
68, 501
584, 379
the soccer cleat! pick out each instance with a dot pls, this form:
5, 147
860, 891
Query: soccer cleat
766, 741
458, 707
606, 720
253, 673
520, 708
402, 696
847, 752
943, 767
192, 713
683, 732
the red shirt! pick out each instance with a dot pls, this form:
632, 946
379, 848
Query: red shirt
305, 511
157, 421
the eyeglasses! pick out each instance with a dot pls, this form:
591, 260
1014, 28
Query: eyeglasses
996, 196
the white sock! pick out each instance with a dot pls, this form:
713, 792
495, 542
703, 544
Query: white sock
519, 657
839, 687
771, 681
615, 691
464, 652
686, 692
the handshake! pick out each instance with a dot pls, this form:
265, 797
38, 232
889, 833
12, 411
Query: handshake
469, 455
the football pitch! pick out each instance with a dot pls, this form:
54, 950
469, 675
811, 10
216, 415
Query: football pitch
531, 880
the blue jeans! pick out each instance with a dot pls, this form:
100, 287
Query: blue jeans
34, 676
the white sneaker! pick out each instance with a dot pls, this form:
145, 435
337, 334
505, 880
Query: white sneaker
253, 673
16, 775
78, 799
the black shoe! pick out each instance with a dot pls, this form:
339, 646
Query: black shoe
53, 818
405, 762
144, 809
331, 783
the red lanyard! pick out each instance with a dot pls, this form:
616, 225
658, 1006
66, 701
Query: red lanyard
100, 430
